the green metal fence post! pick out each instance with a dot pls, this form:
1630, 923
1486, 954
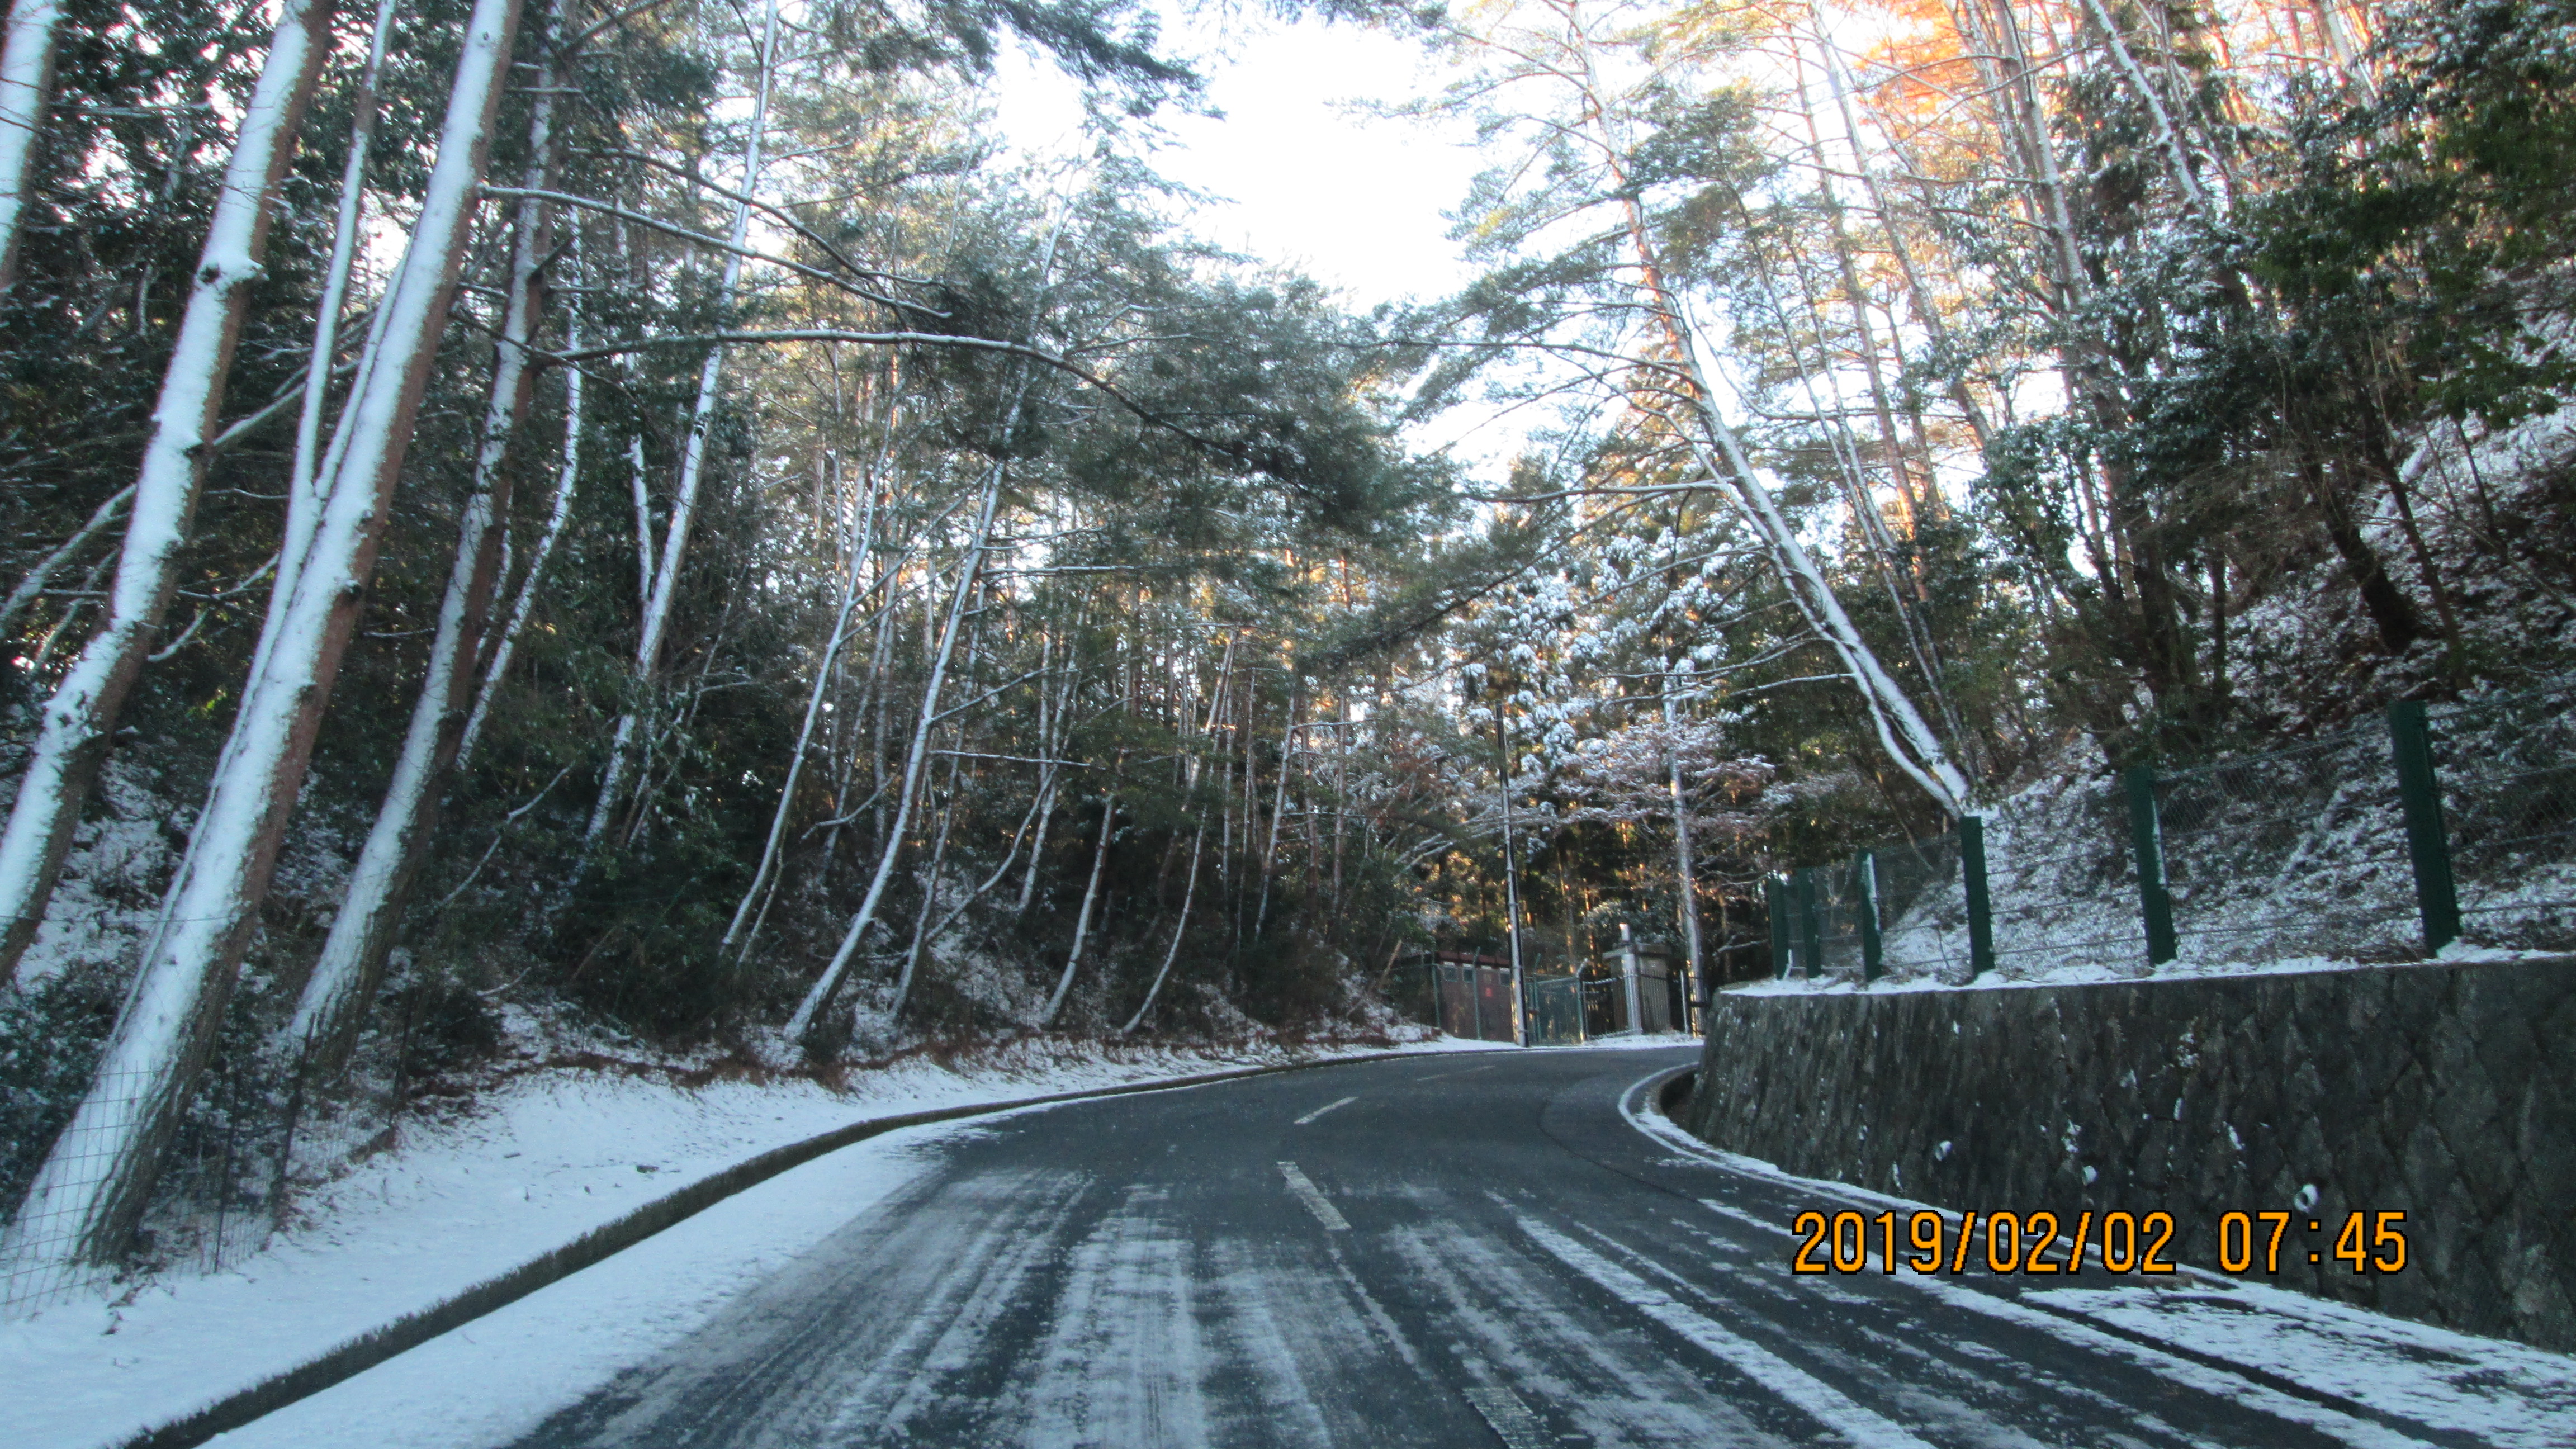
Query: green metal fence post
1981, 911
1811, 926
1873, 945
1775, 908
2428, 845
2146, 834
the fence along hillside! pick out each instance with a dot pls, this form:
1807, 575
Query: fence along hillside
2386, 841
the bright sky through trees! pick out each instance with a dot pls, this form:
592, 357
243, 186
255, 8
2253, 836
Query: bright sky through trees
1302, 173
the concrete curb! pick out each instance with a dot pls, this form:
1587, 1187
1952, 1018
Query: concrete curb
411, 1330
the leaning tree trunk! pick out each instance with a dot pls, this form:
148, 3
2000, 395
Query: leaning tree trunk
26, 75
99, 1176
301, 501
79, 720
968, 571
567, 483
344, 978
684, 502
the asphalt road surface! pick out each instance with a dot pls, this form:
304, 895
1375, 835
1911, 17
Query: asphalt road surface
1431, 1250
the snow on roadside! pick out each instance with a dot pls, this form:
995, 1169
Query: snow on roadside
2091, 973
2507, 1394
543, 1159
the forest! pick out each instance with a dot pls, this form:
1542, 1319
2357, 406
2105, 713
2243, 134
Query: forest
647, 514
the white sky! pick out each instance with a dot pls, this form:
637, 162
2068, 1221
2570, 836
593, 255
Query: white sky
1306, 180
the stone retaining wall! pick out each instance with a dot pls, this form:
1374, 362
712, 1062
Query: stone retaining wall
2445, 1091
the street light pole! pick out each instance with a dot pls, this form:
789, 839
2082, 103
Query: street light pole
1511, 875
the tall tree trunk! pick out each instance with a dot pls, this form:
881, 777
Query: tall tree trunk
567, 482
80, 719
891, 845
1685, 869
26, 78
302, 503
693, 457
100, 1174
1082, 921
823, 674
343, 982
1927, 310
1189, 894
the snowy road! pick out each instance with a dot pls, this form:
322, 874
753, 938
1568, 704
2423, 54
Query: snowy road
1469, 1250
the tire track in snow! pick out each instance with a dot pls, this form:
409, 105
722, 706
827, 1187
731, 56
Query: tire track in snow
1812, 1396
1124, 1360
1504, 1318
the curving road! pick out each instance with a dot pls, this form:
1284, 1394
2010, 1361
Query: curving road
1432, 1250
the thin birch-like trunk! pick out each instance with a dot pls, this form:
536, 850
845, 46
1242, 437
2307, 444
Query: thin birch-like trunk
1685, 869
100, 1173
850, 597
2177, 160
1082, 920
891, 845
43, 573
1927, 310
1189, 893
693, 458
301, 502
26, 77
567, 481
344, 977
1278, 811
79, 721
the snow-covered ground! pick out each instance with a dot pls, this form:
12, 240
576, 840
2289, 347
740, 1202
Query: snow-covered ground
538, 1162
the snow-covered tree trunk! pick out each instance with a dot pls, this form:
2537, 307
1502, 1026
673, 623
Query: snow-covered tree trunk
890, 846
823, 676
2177, 159
567, 482
1189, 894
26, 75
1082, 920
344, 977
302, 504
100, 1173
79, 720
693, 457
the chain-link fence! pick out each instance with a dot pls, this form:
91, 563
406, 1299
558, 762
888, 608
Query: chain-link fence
221, 1191
2386, 841
2059, 870
2296, 852
255, 1130
2507, 771
1911, 894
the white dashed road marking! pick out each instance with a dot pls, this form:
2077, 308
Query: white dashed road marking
1306, 1192
1320, 1111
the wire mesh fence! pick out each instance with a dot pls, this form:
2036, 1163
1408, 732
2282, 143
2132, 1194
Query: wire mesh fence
2060, 870
2386, 841
222, 1188
2507, 771
1922, 908
2296, 852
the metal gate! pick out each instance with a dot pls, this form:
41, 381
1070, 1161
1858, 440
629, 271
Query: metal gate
1475, 1000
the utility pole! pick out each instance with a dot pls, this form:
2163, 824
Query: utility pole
1511, 876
